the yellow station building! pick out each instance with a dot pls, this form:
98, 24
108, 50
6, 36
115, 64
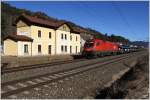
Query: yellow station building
37, 36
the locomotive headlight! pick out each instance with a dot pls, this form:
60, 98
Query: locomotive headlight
114, 47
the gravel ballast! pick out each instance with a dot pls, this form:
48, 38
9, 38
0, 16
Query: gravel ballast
49, 69
83, 85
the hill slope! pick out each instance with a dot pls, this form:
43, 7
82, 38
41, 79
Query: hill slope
140, 43
9, 14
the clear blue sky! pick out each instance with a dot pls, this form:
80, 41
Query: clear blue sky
128, 19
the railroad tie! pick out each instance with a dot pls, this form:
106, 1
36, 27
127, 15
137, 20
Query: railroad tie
66, 79
39, 80
11, 87
62, 74
22, 85
37, 89
57, 75
31, 82
26, 92
67, 72
46, 78
52, 77
13, 96
46, 86
76, 75
71, 77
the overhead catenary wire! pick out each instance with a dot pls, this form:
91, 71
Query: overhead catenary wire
120, 13
90, 12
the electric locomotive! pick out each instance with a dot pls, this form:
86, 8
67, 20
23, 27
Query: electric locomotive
97, 47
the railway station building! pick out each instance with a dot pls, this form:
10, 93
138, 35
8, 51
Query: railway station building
36, 36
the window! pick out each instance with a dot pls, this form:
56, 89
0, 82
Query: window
70, 49
65, 36
39, 33
62, 48
61, 36
39, 48
89, 44
97, 44
71, 37
76, 49
49, 49
49, 34
25, 48
76, 38
65, 48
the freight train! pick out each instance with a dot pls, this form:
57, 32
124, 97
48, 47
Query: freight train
97, 47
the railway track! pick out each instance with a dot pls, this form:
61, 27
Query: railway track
21, 68
17, 86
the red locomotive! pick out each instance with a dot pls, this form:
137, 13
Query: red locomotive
97, 47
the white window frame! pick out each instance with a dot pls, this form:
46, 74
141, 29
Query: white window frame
50, 35
62, 36
40, 33
41, 48
24, 48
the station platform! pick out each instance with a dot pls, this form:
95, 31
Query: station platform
14, 61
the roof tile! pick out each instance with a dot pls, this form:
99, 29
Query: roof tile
55, 24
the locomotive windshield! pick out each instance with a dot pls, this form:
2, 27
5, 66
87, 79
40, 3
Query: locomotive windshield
89, 44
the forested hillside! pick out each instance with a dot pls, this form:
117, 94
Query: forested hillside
9, 14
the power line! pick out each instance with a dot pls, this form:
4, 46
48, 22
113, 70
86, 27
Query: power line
118, 10
91, 13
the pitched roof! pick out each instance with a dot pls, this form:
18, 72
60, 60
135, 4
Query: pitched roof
38, 21
76, 29
18, 37
47, 23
